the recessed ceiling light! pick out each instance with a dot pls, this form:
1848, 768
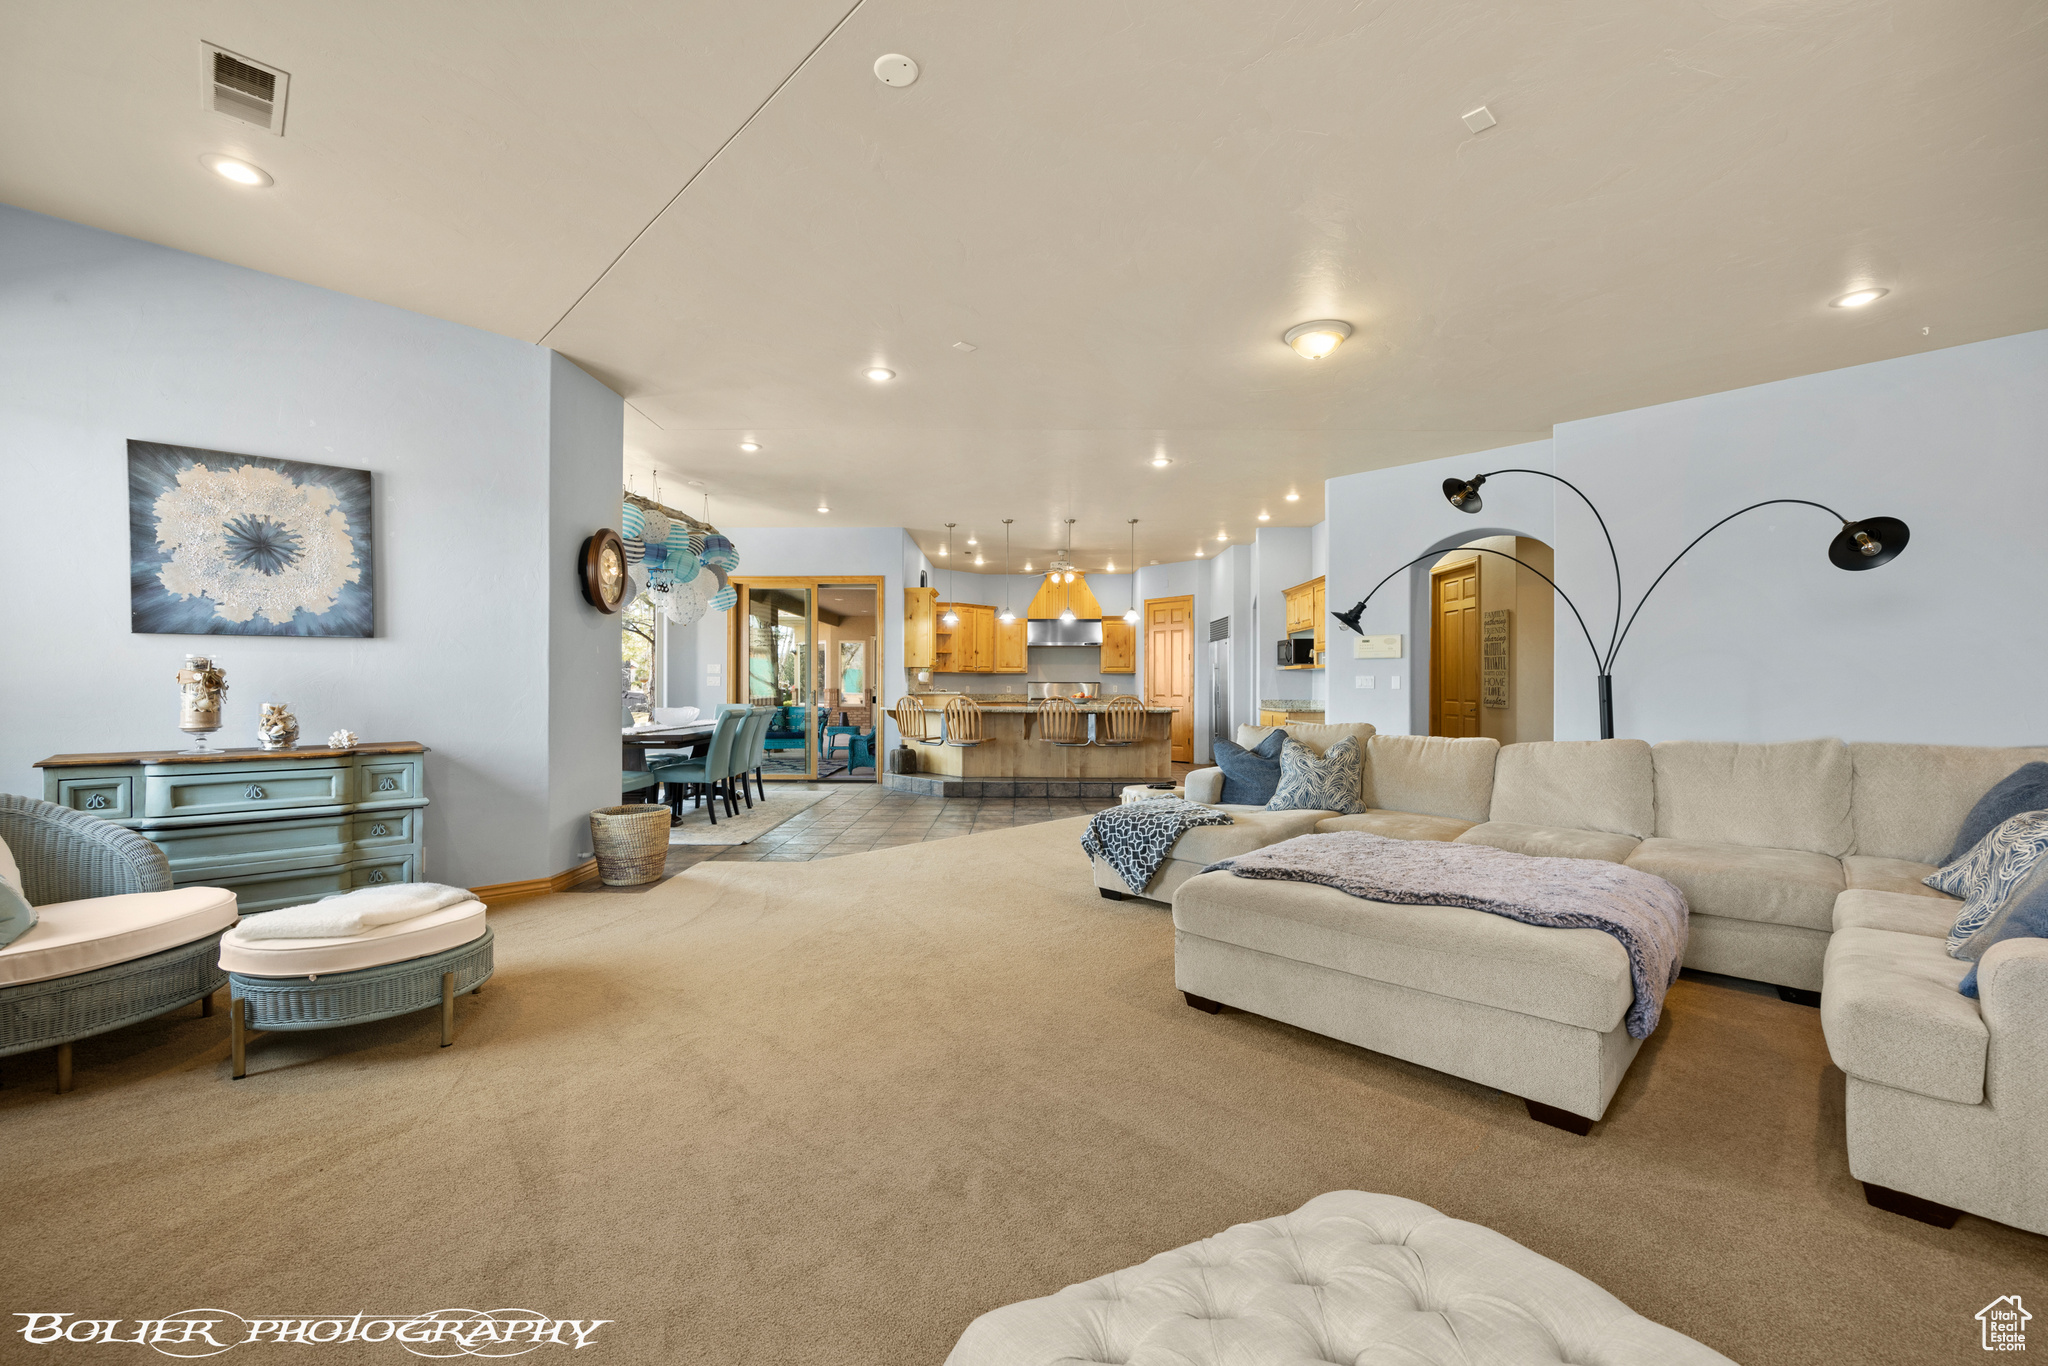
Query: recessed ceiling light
1160, 462
1222, 535
1315, 340
1198, 552
237, 170
879, 375
972, 541
1027, 566
1265, 516
1293, 497
750, 446
977, 559
1859, 298
823, 508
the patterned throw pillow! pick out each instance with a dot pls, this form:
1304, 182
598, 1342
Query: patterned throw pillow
2023, 916
1987, 875
1250, 775
1328, 783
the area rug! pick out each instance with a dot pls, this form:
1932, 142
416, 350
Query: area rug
829, 1112
783, 801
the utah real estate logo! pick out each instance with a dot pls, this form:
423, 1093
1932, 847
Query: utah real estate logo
2005, 1324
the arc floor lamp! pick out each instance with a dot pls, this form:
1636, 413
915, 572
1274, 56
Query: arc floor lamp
1858, 545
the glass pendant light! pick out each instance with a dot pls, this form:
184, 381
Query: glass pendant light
1131, 614
1008, 615
1067, 615
951, 618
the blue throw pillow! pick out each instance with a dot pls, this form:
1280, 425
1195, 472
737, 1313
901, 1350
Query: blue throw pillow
1326, 783
17, 917
1250, 776
1989, 875
2024, 789
2023, 916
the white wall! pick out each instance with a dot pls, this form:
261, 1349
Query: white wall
1755, 636
1283, 561
1381, 518
103, 339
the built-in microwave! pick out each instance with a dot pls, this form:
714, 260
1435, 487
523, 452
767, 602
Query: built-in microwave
1294, 652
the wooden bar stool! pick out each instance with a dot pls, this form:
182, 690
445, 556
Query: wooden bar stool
962, 723
1122, 721
1061, 723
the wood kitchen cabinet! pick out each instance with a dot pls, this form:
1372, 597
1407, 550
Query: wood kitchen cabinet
969, 645
1011, 646
1320, 614
1119, 646
920, 621
982, 623
947, 652
1305, 612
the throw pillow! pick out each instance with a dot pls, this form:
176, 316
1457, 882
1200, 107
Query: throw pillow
2023, 916
17, 917
1987, 876
2024, 789
1326, 783
1250, 776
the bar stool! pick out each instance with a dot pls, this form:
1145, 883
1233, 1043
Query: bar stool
913, 723
1123, 721
962, 723
1061, 723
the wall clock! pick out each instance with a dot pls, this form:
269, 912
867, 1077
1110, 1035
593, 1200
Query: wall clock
601, 566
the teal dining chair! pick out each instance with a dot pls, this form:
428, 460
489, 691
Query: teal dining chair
750, 752
711, 776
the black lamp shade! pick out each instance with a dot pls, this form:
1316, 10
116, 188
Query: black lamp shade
1351, 617
1852, 546
1463, 494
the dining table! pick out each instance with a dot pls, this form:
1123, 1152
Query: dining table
636, 741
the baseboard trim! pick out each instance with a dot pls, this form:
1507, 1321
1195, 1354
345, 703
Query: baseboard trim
583, 872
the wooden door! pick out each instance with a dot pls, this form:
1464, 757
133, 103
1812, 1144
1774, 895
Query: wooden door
1170, 667
1010, 647
1454, 650
984, 619
1119, 646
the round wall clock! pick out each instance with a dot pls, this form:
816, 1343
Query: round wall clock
601, 566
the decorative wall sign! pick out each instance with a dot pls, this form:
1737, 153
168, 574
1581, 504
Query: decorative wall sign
224, 544
1493, 658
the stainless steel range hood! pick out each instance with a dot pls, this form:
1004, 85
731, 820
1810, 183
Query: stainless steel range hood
1081, 631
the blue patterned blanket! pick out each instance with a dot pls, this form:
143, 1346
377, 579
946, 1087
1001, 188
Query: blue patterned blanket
1136, 839
1646, 914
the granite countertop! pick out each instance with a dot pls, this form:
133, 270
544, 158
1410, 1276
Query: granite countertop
1021, 704
1298, 705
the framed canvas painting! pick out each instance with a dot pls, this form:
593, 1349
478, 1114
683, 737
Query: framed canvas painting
240, 545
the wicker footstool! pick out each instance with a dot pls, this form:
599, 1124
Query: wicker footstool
302, 996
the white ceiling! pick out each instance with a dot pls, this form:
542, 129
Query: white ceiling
1120, 205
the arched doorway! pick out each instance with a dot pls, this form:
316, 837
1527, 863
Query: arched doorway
1485, 639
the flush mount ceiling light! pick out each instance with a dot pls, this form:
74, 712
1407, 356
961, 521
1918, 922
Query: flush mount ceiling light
879, 375
1293, 497
750, 446
237, 170
1313, 341
972, 541
1131, 612
979, 560
1859, 298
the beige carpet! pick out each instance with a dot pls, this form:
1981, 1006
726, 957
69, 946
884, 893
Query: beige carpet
828, 1112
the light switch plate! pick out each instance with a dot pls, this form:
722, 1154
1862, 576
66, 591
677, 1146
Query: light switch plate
1394, 681
1364, 681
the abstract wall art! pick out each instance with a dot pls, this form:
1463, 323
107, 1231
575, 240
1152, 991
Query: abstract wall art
224, 544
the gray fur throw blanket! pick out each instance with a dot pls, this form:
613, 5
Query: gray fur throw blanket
1644, 912
1136, 839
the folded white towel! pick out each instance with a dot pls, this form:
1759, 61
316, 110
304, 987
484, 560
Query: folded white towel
351, 913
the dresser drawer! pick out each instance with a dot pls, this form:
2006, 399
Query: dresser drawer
377, 872
376, 832
198, 852
225, 790
275, 891
110, 796
387, 780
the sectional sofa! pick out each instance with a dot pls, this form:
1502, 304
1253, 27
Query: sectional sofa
1801, 863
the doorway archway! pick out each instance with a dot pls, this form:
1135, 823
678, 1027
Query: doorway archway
1514, 672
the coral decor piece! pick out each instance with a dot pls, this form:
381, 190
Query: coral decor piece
243, 545
278, 729
342, 739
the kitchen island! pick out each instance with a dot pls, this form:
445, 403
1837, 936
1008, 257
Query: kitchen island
1014, 751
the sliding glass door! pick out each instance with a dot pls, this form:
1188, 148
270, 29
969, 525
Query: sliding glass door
810, 649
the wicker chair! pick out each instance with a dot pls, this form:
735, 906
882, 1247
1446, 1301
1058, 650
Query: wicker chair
1122, 721
67, 855
1061, 723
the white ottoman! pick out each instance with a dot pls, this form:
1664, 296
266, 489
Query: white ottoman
1348, 1277
1138, 792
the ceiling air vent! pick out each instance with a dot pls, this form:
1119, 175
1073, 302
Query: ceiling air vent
248, 92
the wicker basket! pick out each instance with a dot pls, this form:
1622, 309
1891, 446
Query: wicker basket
631, 843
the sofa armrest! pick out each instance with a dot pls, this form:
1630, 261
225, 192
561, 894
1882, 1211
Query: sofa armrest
1204, 786
2012, 991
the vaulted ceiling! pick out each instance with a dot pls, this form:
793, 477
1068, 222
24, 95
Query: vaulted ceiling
722, 212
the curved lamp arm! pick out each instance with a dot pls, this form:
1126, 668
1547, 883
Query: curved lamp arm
1350, 618
1614, 559
1608, 667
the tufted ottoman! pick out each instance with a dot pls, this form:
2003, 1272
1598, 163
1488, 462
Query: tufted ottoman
1348, 1278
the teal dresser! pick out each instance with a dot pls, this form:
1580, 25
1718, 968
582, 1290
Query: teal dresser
276, 827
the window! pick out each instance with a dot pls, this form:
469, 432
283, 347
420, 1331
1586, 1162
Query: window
640, 649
